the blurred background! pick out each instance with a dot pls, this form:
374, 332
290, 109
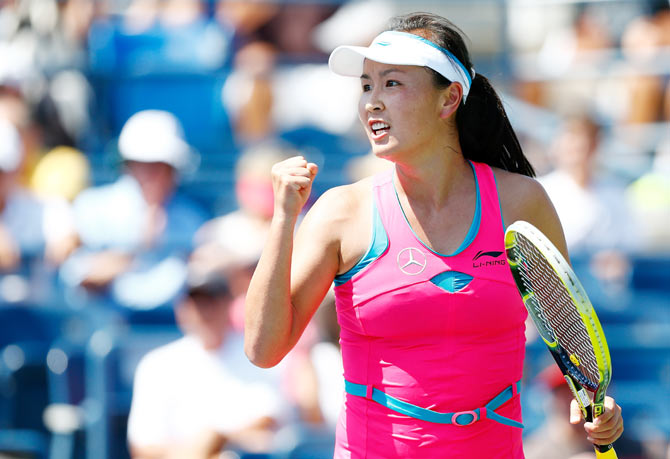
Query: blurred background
136, 139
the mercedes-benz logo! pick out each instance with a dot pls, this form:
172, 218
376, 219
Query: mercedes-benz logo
411, 261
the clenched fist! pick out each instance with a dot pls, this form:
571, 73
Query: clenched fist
292, 183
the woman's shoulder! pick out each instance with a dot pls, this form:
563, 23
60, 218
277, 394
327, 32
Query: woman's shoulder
338, 218
521, 197
341, 205
524, 198
344, 199
513, 181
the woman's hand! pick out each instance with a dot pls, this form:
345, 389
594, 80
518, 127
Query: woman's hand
606, 428
292, 182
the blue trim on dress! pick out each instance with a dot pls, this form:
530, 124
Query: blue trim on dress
378, 245
452, 281
502, 219
474, 226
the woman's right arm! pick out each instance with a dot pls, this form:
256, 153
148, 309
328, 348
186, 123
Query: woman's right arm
289, 284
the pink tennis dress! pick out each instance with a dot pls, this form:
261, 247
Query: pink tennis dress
434, 332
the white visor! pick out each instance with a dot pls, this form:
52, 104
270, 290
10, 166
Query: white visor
401, 48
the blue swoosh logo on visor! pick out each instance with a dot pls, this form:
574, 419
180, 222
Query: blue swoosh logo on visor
383, 43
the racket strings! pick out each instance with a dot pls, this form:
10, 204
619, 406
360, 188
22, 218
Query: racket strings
555, 308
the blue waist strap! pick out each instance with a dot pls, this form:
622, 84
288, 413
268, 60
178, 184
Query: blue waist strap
460, 418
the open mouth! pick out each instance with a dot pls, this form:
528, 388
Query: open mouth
379, 129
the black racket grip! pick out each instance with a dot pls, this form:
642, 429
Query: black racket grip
602, 451
604, 448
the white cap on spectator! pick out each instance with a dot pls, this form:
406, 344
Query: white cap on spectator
154, 136
11, 149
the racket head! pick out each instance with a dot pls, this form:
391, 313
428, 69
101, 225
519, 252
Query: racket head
559, 307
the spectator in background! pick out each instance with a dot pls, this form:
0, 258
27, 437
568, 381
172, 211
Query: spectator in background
141, 15
246, 18
63, 172
154, 36
248, 93
559, 439
650, 201
137, 232
196, 396
242, 232
592, 207
16, 109
45, 35
286, 25
267, 100
43, 60
232, 244
327, 361
641, 43
32, 230
600, 220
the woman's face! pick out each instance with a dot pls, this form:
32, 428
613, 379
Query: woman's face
400, 108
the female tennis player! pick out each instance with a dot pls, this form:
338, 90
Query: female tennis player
432, 326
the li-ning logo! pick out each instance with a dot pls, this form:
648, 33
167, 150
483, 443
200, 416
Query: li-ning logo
411, 261
481, 254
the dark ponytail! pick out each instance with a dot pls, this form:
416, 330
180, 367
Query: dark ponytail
484, 130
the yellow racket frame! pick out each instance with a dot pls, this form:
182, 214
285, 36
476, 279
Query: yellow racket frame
586, 312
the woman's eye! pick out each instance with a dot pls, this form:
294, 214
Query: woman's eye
366, 87
390, 83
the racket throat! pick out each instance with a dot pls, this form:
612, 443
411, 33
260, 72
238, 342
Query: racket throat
583, 399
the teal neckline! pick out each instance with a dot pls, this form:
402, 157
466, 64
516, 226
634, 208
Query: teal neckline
378, 245
502, 219
474, 226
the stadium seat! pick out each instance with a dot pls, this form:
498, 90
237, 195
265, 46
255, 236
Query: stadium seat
304, 442
27, 333
64, 416
193, 98
24, 443
651, 273
111, 358
329, 151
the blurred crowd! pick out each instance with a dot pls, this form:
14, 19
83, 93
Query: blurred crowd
136, 141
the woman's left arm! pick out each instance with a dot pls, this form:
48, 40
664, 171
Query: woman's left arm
523, 198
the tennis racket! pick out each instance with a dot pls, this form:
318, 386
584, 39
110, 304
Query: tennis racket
564, 317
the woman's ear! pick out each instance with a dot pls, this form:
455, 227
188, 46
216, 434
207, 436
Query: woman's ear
451, 100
